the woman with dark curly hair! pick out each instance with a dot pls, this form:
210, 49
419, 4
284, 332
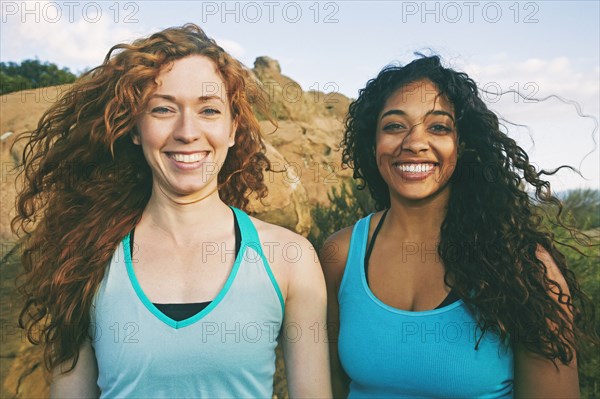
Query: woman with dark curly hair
451, 290
142, 276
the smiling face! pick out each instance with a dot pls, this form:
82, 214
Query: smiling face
186, 128
416, 142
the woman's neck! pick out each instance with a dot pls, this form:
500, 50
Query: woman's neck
181, 220
417, 220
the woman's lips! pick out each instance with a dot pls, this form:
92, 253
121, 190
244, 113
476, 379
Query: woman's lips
187, 161
415, 171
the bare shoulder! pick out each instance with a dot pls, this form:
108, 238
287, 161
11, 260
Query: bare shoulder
537, 376
334, 254
274, 235
552, 269
292, 258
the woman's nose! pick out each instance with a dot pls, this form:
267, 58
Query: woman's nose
187, 129
416, 140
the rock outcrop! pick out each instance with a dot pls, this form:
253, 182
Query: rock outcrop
290, 102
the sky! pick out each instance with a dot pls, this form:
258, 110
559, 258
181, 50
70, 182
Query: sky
548, 51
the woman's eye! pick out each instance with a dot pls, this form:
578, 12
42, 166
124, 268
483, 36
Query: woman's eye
210, 111
393, 126
440, 129
160, 110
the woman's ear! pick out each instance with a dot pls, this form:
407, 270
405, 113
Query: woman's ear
135, 136
234, 126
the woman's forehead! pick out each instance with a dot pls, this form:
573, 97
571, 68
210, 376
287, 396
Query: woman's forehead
193, 76
416, 95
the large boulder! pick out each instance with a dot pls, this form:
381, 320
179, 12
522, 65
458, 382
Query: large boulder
290, 102
312, 154
287, 202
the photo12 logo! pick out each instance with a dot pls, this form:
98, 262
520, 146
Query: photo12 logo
69, 11
270, 11
470, 11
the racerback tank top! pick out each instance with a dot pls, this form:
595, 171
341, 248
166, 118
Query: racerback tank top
226, 351
393, 353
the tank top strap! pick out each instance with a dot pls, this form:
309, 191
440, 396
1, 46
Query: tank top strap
249, 234
356, 254
251, 240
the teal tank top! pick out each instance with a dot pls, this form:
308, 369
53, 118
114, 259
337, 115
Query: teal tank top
225, 351
392, 353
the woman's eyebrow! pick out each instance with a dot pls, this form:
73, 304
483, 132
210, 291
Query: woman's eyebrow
163, 96
393, 112
439, 112
402, 113
174, 99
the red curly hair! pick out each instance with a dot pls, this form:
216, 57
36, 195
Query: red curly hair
86, 183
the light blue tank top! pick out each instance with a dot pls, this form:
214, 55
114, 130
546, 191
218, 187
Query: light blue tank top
225, 351
392, 353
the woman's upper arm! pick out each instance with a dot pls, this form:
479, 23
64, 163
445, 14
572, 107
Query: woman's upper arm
333, 257
304, 335
81, 382
538, 377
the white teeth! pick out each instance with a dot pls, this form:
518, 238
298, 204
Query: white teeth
415, 167
188, 158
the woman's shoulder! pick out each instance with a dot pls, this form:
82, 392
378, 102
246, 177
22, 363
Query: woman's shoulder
292, 258
339, 242
285, 250
271, 233
334, 252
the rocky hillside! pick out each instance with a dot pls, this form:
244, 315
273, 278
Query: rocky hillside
306, 164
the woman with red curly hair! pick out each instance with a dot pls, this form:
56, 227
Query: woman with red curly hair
142, 276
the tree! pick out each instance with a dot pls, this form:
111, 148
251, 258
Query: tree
31, 74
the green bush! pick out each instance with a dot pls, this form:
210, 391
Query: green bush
582, 208
586, 270
31, 74
346, 205
582, 211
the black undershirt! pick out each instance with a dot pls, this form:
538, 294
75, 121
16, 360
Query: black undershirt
182, 311
450, 298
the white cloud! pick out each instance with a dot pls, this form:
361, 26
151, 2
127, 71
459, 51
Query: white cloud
77, 42
554, 76
232, 47
556, 133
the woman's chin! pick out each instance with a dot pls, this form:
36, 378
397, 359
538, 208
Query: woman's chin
187, 193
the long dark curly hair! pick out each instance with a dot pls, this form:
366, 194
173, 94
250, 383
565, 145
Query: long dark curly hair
491, 231
86, 184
